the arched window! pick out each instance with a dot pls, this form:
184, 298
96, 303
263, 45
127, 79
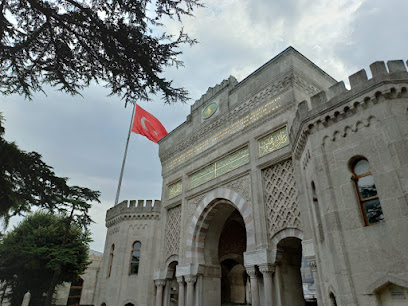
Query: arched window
317, 212
129, 304
367, 192
111, 260
75, 292
135, 258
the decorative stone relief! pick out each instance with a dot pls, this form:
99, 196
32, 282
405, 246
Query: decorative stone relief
281, 197
270, 92
173, 230
113, 230
190, 208
307, 87
242, 186
350, 129
137, 227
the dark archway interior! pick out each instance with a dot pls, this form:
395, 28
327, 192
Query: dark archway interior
231, 247
173, 284
290, 260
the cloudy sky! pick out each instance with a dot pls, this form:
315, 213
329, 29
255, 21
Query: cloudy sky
83, 138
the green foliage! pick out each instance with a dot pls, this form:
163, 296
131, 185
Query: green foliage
69, 43
45, 249
35, 249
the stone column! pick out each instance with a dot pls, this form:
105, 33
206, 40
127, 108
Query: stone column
159, 291
190, 280
267, 271
277, 283
180, 281
254, 285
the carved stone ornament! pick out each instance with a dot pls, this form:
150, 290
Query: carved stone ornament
190, 278
173, 230
281, 197
242, 186
190, 208
160, 282
251, 271
113, 230
267, 269
180, 279
137, 227
270, 92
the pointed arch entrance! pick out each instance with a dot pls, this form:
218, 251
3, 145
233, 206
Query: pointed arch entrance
208, 209
221, 230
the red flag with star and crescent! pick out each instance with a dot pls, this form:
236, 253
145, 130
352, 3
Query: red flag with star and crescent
148, 125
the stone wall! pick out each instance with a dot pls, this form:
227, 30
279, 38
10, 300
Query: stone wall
368, 121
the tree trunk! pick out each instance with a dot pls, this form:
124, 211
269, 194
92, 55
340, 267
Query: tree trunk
57, 272
51, 288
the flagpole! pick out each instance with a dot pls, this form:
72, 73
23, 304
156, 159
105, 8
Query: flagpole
124, 155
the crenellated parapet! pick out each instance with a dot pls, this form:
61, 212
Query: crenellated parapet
133, 210
213, 91
389, 81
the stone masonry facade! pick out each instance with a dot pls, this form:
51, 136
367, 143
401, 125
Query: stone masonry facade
284, 165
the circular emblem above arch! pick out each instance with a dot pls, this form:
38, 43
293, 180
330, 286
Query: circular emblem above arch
197, 230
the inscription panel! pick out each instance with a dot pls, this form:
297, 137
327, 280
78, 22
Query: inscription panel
273, 142
227, 164
174, 190
237, 126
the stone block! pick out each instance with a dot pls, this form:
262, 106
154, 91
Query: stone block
318, 99
358, 78
378, 69
303, 108
396, 66
335, 90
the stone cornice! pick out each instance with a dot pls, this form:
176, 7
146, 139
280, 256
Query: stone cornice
132, 217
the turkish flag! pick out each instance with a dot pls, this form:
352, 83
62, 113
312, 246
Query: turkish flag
147, 125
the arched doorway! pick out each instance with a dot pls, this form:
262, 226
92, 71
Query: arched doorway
224, 244
210, 219
173, 290
289, 261
231, 246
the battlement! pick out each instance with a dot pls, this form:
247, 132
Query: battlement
213, 91
338, 94
144, 207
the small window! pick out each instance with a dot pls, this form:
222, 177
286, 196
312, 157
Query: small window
135, 258
367, 192
317, 212
111, 260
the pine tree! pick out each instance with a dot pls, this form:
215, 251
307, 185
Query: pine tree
70, 43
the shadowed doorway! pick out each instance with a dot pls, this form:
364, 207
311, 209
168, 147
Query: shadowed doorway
232, 245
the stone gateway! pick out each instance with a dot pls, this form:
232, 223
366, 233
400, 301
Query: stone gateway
283, 167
